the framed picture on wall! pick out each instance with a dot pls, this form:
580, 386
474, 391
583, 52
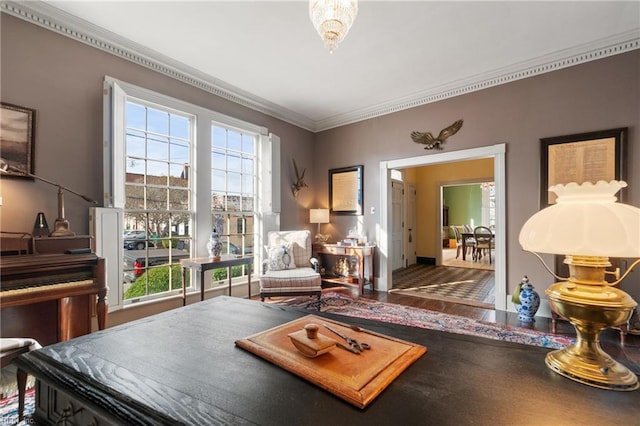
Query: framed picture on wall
345, 190
583, 157
17, 137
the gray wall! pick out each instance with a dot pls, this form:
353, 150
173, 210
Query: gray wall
599, 95
62, 80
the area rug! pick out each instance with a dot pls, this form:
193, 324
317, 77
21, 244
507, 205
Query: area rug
9, 408
337, 303
473, 287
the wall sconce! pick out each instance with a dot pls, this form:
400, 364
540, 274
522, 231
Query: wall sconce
587, 225
319, 216
61, 225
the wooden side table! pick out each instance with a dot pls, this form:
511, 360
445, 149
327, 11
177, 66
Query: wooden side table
364, 263
203, 264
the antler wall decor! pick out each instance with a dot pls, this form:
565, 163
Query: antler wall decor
430, 142
300, 183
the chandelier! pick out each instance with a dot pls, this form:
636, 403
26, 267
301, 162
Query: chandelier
486, 186
332, 19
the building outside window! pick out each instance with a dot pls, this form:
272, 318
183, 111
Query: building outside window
173, 189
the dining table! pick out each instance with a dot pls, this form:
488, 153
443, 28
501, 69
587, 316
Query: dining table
465, 237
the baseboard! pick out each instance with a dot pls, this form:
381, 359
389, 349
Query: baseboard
426, 260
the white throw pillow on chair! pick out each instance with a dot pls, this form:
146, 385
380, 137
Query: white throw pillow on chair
280, 257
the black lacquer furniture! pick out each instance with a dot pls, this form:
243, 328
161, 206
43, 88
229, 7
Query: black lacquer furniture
182, 367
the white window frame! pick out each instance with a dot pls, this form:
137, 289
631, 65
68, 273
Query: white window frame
117, 92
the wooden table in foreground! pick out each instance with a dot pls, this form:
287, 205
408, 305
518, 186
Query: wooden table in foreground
182, 367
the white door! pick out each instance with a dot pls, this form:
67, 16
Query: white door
410, 225
397, 242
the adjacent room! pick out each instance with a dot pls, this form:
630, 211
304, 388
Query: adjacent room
324, 211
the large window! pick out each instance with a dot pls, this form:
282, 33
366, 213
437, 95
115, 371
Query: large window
233, 189
178, 171
157, 210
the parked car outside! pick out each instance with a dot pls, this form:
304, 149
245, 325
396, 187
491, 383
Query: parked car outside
137, 241
135, 261
227, 248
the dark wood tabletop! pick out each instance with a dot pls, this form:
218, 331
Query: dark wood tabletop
182, 367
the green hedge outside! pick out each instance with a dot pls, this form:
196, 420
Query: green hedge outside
159, 280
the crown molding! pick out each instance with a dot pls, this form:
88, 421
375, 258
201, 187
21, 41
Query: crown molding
54, 19
602, 48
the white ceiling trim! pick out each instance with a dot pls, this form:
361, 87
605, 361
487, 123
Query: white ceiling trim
46, 16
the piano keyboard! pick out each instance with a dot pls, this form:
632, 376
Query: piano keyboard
49, 287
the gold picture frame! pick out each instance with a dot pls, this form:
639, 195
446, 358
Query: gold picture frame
17, 138
583, 157
345, 190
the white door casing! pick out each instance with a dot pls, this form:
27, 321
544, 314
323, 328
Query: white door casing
397, 228
385, 249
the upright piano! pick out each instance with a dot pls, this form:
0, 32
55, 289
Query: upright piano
52, 294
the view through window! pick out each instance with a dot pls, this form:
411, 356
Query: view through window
158, 212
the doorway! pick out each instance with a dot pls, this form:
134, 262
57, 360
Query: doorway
497, 152
467, 204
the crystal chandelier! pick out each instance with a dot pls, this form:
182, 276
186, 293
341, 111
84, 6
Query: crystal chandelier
332, 19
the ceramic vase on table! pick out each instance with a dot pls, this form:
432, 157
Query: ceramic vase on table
214, 246
526, 300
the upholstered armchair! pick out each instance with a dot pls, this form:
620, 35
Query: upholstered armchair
289, 268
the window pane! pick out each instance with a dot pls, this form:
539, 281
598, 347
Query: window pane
158, 148
234, 140
157, 172
233, 163
179, 152
234, 182
136, 144
136, 116
218, 160
218, 180
180, 127
248, 144
219, 137
247, 165
247, 184
247, 204
157, 121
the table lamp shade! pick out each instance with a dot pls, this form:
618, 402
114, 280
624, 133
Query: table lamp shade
586, 221
588, 226
319, 216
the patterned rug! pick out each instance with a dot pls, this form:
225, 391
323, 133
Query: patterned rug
474, 287
337, 303
9, 408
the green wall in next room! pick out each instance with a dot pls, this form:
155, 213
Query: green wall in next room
465, 204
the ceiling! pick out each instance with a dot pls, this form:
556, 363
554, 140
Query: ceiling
267, 55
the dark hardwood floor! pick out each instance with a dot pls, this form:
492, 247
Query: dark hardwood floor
609, 339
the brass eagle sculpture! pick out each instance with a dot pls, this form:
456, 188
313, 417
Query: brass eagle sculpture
436, 143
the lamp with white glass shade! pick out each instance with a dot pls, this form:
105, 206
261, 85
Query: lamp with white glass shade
588, 226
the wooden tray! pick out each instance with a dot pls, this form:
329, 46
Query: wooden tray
357, 379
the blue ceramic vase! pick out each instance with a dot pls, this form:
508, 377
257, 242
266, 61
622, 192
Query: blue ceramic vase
527, 301
214, 246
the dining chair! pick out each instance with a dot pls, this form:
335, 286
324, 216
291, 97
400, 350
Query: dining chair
484, 242
469, 243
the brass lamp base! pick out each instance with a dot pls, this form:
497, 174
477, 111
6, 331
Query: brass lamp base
61, 228
591, 305
601, 372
